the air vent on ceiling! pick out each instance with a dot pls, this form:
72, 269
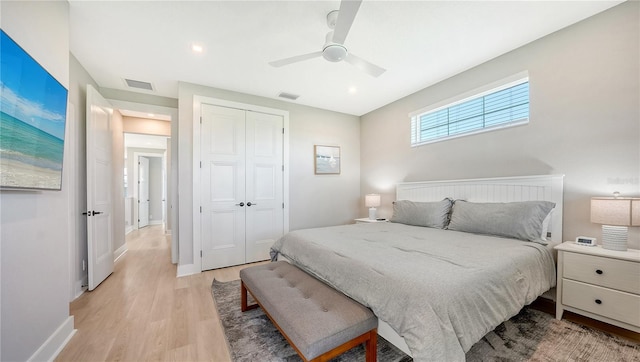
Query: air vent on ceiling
139, 84
286, 95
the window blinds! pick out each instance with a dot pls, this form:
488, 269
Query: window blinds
502, 108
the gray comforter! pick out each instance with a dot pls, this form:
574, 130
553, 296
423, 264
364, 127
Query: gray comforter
441, 290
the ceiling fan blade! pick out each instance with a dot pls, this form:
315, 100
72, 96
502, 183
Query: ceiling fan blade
369, 68
297, 58
346, 14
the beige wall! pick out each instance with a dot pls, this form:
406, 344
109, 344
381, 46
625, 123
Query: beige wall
34, 231
314, 200
584, 123
146, 126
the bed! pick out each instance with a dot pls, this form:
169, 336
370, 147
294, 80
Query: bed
437, 292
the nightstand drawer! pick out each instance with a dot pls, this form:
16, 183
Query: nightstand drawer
614, 304
611, 273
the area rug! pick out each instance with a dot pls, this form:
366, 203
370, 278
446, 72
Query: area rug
529, 336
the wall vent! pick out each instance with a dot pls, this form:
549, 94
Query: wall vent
139, 84
286, 95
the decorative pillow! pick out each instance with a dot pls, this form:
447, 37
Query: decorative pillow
429, 214
516, 220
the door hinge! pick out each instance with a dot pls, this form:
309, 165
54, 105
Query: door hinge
283, 168
138, 220
282, 130
200, 164
201, 209
200, 119
283, 205
201, 253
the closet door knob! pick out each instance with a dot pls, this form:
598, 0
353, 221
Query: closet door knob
598, 271
241, 204
249, 203
598, 301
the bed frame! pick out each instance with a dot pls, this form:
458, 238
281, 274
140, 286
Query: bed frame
499, 189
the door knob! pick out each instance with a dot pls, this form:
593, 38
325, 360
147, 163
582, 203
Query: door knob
95, 213
249, 203
241, 204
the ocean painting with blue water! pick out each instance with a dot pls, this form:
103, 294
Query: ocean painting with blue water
32, 121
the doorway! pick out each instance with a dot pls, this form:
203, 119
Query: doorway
147, 184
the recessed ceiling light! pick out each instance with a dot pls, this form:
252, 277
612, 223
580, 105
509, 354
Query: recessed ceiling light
353, 90
197, 48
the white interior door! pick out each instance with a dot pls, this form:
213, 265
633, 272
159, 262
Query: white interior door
99, 205
143, 191
222, 181
264, 179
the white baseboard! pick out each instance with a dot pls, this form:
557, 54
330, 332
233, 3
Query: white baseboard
155, 222
128, 229
119, 252
80, 287
187, 269
55, 343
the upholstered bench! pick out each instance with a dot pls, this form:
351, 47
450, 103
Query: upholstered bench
319, 322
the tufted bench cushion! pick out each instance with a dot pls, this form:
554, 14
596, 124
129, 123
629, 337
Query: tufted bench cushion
318, 321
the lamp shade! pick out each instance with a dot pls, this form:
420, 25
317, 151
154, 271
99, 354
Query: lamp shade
635, 212
615, 211
372, 200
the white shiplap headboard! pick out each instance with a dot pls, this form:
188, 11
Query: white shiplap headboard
499, 189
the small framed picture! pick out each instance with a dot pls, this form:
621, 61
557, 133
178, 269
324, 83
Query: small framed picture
327, 160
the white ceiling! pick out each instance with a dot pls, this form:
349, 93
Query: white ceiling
418, 42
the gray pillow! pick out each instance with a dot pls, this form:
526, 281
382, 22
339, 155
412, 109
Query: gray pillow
516, 220
429, 214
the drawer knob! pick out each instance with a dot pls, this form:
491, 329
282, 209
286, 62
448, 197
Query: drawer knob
598, 301
599, 271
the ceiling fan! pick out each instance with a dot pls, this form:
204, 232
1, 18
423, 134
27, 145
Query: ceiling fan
340, 22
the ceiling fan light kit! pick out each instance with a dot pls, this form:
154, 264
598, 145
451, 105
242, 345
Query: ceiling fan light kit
334, 50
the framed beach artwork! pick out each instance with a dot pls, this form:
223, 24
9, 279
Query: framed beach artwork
327, 160
32, 122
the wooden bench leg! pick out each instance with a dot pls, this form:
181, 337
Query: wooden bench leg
370, 340
371, 346
243, 299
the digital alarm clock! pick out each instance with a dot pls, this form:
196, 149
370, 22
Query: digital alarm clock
586, 241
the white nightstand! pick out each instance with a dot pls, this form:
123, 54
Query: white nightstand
365, 220
599, 283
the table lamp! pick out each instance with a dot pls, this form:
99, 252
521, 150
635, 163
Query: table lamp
372, 201
615, 214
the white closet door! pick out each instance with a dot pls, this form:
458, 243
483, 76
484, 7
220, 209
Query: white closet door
264, 193
223, 186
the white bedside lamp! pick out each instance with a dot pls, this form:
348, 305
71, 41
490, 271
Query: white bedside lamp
615, 214
372, 201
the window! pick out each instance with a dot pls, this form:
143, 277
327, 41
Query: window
498, 107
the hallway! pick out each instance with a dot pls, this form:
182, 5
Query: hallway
143, 312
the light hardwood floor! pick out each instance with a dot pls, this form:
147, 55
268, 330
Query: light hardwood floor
143, 312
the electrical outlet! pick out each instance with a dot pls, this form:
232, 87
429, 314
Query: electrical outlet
84, 265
